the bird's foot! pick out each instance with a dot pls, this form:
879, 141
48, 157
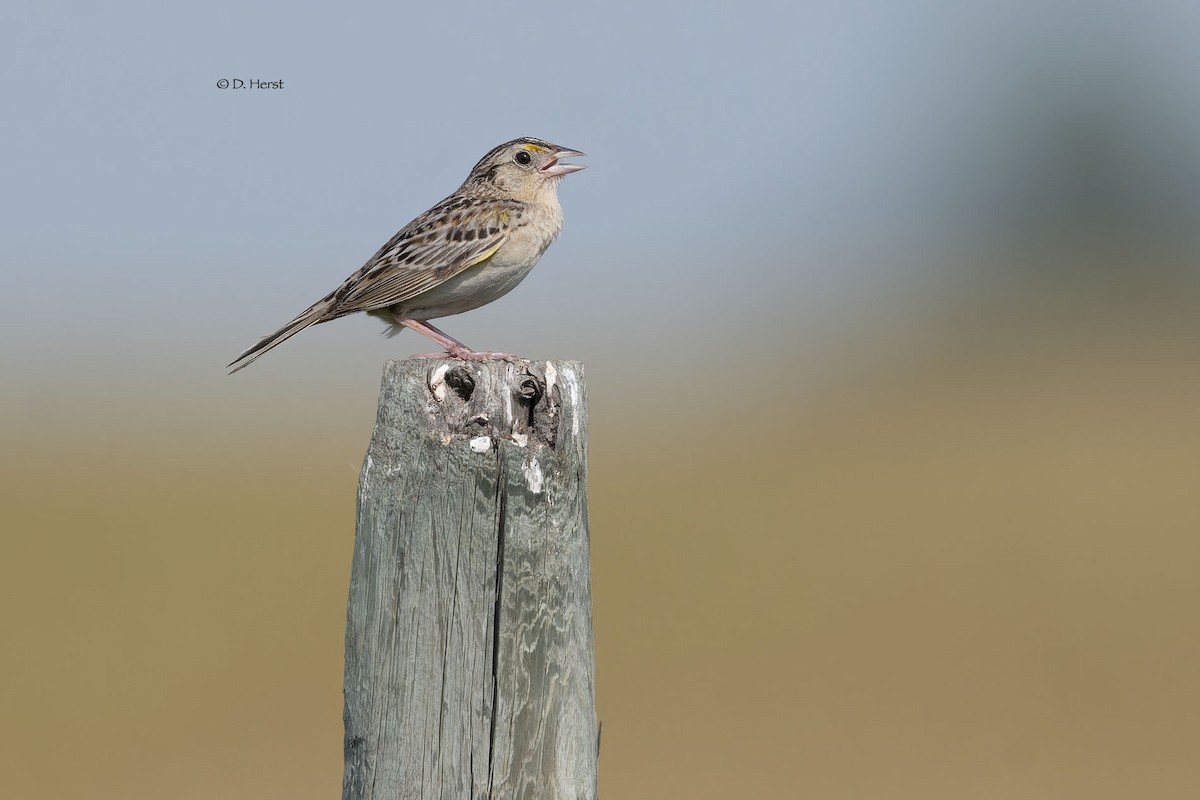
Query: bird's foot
467, 354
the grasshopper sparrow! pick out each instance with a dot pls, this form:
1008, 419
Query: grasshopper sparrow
465, 252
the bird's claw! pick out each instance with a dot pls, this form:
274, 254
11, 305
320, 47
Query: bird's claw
467, 354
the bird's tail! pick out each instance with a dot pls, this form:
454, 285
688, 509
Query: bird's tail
318, 312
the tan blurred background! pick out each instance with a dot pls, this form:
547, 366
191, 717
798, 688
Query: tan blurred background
894, 391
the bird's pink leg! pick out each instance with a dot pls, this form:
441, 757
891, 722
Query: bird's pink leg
454, 348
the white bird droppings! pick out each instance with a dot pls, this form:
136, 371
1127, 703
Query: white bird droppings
533, 475
481, 444
551, 379
437, 382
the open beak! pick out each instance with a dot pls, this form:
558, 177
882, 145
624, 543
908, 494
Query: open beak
554, 169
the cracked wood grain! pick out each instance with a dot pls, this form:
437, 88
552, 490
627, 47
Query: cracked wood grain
469, 658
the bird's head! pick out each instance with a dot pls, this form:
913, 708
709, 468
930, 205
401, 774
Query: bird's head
523, 168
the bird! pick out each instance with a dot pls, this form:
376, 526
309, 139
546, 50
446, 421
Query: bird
470, 249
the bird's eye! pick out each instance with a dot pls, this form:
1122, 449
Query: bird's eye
523, 158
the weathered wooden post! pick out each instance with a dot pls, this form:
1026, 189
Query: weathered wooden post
469, 660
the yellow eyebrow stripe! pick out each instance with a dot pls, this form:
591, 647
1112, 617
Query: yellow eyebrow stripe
535, 148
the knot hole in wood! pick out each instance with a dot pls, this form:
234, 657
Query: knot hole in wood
461, 382
529, 390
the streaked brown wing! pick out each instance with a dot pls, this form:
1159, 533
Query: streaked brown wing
430, 250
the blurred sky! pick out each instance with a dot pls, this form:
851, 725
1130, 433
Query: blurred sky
787, 161
890, 314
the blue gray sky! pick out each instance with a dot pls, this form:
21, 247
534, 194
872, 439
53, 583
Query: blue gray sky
767, 163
